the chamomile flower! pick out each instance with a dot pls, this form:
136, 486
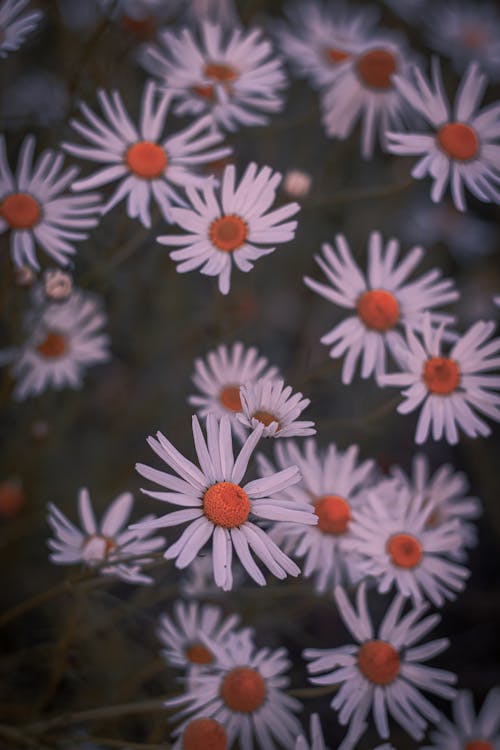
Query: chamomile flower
231, 224
446, 491
219, 377
35, 210
383, 301
469, 730
14, 25
148, 164
230, 75
318, 36
465, 32
449, 389
383, 672
217, 506
363, 89
333, 483
63, 340
268, 402
392, 541
104, 542
181, 634
463, 147
245, 694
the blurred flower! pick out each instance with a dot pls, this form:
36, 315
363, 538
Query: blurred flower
30, 209
391, 540
181, 635
470, 731
363, 89
105, 542
12, 498
446, 491
381, 300
58, 285
218, 507
448, 386
24, 99
465, 32
230, 75
202, 733
296, 183
219, 376
496, 300
333, 483
319, 35
317, 739
64, 339
267, 401
245, 691
24, 276
462, 150
15, 27
231, 226
383, 672
146, 165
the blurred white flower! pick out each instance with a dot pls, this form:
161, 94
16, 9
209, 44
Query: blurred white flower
14, 25
269, 402
469, 730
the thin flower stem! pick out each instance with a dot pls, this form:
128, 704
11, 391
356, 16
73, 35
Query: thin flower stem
314, 692
357, 194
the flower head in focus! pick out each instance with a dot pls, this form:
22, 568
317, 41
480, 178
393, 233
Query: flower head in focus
269, 402
469, 730
35, 210
231, 224
104, 542
14, 25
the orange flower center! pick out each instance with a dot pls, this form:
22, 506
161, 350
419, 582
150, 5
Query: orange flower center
378, 662
243, 689
333, 514
197, 653
376, 67
404, 550
479, 745
458, 140
228, 233
12, 499
475, 36
218, 72
54, 345
335, 56
141, 27
146, 159
441, 375
265, 417
204, 734
20, 211
226, 504
378, 309
230, 397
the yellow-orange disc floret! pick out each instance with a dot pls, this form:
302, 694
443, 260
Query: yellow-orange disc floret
228, 233
441, 375
458, 140
405, 550
12, 499
20, 211
218, 72
226, 504
146, 159
197, 653
265, 417
229, 397
479, 745
54, 345
379, 662
376, 67
334, 55
204, 734
243, 689
333, 514
378, 309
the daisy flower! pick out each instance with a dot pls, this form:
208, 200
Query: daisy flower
63, 341
465, 32
391, 540
470, 731
230, 223
202, 732
446, 491
383, 672
383, 301
181, 635
463, 148
104, 542
363, 89
245, 694
35, 209
218, 506
219, 377
333, 483
14, 27
230, 75
449, 388
318, 36
148, 164
270, 403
